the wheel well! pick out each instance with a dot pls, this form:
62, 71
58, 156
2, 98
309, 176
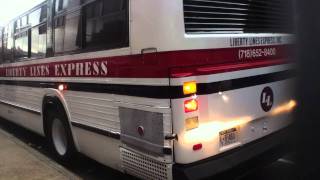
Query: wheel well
50, 103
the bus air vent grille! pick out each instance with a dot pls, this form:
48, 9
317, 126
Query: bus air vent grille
237, 16
143, 166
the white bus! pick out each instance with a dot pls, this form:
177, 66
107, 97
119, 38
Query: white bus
159, 89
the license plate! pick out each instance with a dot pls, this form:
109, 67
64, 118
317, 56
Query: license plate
229, 136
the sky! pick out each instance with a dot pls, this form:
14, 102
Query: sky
9, 9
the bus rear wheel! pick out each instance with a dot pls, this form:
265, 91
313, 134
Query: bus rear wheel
60, 137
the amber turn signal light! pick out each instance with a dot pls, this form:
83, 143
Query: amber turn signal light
189, 88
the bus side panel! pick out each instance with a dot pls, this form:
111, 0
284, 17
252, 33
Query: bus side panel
98, 147
99, 132
22, 105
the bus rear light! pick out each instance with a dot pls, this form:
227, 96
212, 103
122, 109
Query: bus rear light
192, 123
197, 147
189, 87
284, 108
190, 105
62, 87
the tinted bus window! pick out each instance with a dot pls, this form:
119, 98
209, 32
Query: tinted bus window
60, 5
110, 6
106, 24
24, 21
59, 23
21, 45
68, 32
43, 13
100, 25
72, 39
38, 16
1, 50
38, 41
8, 43
34, 17
21, 24
17, 25
38, 32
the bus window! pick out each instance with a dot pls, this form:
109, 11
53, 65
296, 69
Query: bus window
38, 41
61, 5
21, 45
100, 25
34, 17
4, 46
106, 24
38, 32
1, 47
20, 24
43, 13
113, 6
38, 16
75, 3
8, 43
72, 37
17, 25
59, 23
24, 21
66, 27
68, 33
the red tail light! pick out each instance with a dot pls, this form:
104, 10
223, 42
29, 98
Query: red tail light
197, 147
190, 105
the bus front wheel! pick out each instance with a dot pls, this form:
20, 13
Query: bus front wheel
59, 136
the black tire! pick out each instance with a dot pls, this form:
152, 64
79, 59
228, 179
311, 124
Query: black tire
53, 116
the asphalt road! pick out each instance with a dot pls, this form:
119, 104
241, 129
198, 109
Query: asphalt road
85, 168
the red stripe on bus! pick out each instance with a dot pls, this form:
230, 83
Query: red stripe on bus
214, 69
157, 65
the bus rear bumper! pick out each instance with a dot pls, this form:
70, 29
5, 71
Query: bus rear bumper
264, 150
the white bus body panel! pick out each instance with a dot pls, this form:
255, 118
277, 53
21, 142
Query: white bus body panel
160, 24
26, 98
225, 110
97, 110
